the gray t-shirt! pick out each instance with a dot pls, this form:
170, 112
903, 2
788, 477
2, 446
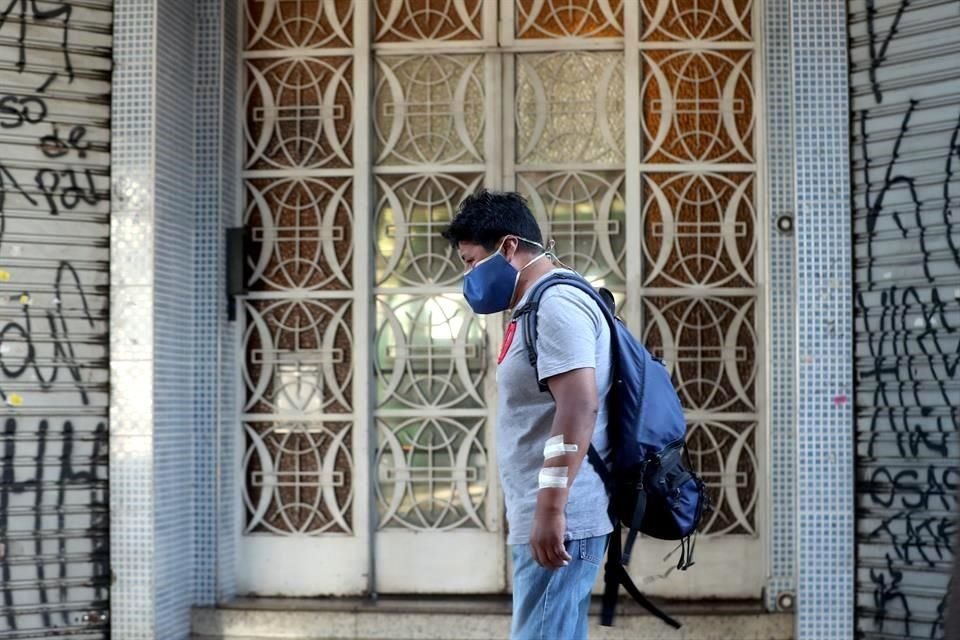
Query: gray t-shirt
571, 334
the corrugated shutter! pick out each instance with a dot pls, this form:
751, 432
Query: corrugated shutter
905, 83
54, 275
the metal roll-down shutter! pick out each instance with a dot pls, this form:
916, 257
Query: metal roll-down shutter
905, 89
55, 63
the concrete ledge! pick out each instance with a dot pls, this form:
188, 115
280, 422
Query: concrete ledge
462, 619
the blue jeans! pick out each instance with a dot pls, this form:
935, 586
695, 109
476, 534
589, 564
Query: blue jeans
552, 604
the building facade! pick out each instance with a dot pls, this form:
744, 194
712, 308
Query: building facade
235, 359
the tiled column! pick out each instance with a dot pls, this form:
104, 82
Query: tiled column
779, 174
216, 209
153, 300
825, 455
131, 321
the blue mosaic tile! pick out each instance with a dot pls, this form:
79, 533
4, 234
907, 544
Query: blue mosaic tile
825, 473
780, 172
131, 463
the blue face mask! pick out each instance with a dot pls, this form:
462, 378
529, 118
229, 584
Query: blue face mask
490, 285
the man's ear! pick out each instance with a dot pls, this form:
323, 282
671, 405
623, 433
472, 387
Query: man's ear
510, 246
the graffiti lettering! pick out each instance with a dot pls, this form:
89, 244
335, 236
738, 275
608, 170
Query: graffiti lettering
16, 111
53, 146
888, 590
67, 194
904, 487
878, 54
12, 485
907, 307
64, 354
53, 484
927, 539
62, 12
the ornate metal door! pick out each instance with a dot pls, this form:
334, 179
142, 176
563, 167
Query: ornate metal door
631, 129
634, 137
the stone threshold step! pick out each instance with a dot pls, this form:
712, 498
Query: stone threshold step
461, 618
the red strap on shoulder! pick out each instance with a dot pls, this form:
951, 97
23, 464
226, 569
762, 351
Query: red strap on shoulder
507, 340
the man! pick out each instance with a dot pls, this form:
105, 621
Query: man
556, 503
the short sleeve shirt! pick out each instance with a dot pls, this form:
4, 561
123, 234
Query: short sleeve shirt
571, 334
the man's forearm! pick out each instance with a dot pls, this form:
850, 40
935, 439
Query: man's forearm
575, 425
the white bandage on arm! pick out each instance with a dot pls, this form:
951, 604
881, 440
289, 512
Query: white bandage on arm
556, 447
553, 478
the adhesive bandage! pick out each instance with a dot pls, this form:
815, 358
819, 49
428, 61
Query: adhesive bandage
556, 447
553, 478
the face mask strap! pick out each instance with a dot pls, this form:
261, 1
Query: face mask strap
551, 253
519, 239
535, 258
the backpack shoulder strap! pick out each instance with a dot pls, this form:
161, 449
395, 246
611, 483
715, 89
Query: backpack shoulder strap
615, 576
527, 313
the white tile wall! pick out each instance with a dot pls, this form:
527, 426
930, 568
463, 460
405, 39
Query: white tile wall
170, 529
825, 472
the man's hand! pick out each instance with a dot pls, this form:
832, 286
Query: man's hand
546, 537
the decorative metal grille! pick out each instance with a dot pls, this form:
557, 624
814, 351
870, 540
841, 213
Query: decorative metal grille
569, 18
294, 24
299, 477
298, 357
698, 106
430, 361
298, 366
432, 473
699, 230
688, 190
299, 113
429, 109
705, 21
430, 353
300, 233
699, 246
428, 20
569, 108
584, 213
411, 213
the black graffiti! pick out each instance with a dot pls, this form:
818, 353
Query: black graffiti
953, 154
912, 363
926, 540
43, 462
878, 54
904, 488
887, 590
903, 375
60, 188
53, 146
893, 331
938, 628
63, 350
911, 438
30, 10
69, 476
16, 111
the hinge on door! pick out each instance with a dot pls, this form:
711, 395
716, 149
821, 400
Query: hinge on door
236, 242
92, 618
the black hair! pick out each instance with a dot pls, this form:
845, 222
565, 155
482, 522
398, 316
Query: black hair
486, 216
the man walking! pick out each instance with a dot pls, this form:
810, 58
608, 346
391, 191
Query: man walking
556, 504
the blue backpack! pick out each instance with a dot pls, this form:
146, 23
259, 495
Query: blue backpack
652, 490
